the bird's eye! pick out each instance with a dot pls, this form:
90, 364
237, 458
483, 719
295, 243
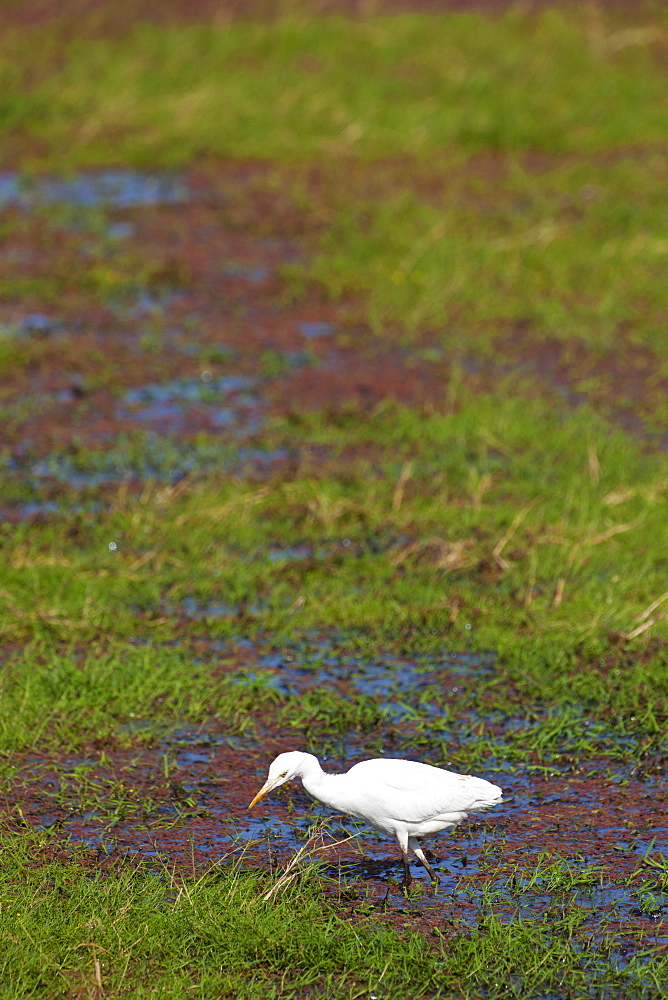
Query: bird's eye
284, 775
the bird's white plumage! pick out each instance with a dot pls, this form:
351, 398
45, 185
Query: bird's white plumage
402, 798
417, 794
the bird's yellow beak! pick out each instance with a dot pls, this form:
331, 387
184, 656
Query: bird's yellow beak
267, 787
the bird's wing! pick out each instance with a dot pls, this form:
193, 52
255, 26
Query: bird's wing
415, 792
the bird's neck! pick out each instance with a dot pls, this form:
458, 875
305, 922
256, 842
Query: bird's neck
318, 783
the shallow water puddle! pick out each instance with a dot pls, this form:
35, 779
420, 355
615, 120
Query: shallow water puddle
108, 188
252, 274
143, 304
32, 324
168, 405
315, 330
155, 458
222, 410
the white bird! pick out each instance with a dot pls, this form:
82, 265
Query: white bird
402, 798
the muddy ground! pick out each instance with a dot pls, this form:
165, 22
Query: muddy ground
211, 340
179, 800
208, 253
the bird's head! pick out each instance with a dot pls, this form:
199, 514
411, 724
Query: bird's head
284, 767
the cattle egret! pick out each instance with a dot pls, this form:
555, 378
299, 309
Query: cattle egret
402, 798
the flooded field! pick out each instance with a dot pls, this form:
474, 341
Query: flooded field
341, 451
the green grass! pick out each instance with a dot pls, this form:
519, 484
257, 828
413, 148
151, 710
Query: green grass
504, 517
561, 80
574, 252
498, 527
210, 936
129, 931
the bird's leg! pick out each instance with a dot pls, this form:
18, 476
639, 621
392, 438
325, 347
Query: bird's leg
419, 854
404, 840
432, 873
408, 878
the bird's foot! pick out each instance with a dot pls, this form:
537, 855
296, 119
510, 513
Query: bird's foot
386, 898
406, 886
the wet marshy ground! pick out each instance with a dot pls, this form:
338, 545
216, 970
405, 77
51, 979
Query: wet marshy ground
584, 828
114, 386
169, 337
173, 345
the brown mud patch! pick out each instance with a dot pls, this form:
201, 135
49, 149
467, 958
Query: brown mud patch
176, 319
